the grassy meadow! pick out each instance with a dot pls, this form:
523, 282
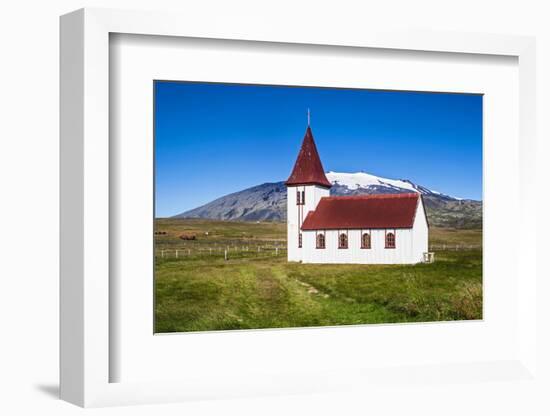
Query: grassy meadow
197, 289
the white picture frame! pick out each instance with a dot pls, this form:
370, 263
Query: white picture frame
85, 351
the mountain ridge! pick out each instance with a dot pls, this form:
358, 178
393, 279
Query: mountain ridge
267, 201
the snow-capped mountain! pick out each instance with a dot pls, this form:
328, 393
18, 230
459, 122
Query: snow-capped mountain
267, 202
350, 183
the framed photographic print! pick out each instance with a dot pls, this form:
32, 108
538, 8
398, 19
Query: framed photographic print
270, 213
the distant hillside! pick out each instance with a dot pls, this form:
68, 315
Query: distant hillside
267, 202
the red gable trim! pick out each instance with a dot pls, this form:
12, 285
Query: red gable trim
363, 211
308, 169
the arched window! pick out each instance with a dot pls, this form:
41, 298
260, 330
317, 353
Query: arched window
390, 240
365, 240
343, 241
320, 241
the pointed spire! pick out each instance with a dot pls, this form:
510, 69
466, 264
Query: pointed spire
308, 169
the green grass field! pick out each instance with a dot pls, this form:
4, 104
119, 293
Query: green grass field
257, 288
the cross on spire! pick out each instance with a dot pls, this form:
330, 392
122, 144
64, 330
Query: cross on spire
308, 117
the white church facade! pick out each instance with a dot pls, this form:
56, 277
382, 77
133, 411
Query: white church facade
361, 229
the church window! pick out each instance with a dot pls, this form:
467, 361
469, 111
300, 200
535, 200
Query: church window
300, 197
365, 240
390, 240
320, 241
343, 241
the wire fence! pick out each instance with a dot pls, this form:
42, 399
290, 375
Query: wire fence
228, 251
454, 247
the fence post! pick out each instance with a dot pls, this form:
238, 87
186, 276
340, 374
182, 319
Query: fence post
162, 253
176, 253
189, 251
225, 255
276, 251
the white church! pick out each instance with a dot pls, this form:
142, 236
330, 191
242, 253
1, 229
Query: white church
363, 229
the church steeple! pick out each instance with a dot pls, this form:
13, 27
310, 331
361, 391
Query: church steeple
308, 169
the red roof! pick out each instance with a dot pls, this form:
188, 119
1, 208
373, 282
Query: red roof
363, 211
308, 169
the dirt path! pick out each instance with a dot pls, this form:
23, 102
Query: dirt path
311, 289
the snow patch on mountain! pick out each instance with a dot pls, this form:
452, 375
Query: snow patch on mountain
362, 180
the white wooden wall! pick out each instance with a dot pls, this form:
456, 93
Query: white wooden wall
420, 234
377, 254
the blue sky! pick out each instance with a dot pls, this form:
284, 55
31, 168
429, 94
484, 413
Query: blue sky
214, 139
